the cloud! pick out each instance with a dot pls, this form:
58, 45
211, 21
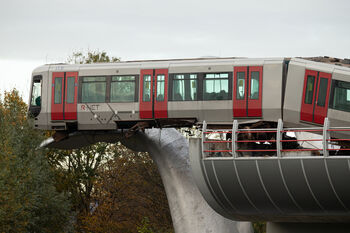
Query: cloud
17, 74
51, 30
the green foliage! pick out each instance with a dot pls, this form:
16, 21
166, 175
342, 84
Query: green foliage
91, 57
121, 185
76, 172
29, 201
259, 227
145, 226
128, 188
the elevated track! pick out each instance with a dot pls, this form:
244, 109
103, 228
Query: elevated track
245, 182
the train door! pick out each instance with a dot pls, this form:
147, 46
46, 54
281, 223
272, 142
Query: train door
154, 94
247, 91
64, 96
314, 104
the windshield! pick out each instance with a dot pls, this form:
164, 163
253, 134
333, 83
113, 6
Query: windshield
36, 93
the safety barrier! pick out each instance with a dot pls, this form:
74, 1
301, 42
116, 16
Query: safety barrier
234, 149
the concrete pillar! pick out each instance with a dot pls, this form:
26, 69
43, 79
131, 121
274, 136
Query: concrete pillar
190, 212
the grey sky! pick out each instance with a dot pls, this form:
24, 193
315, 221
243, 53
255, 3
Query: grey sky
39, 31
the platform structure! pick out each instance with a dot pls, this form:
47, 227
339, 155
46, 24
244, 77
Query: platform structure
275, 185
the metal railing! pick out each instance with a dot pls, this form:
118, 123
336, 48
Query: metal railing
234, 149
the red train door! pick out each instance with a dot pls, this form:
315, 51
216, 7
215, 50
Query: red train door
255, 91
57, 96
146, 94
71, 93
314, 105
240, 92
64, 96
161, 94
154, 94
247, 91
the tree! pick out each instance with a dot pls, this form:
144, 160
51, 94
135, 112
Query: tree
91, 57
29, 201
76, 172
129, 196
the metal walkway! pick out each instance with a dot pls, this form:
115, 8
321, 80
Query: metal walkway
274, 184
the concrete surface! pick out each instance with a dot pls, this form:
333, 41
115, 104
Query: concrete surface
190, 212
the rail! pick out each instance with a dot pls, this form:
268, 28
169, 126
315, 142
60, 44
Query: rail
234, 149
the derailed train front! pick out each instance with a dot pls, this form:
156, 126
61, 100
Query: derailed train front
160, 93
174, 93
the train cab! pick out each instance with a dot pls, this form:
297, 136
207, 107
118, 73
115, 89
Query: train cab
38, 106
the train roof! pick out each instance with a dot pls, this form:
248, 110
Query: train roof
165, 63
329, 62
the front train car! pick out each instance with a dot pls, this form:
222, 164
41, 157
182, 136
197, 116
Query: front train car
165, 93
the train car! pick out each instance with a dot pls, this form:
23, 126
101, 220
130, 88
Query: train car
182, 92
278, 179
163, 93
314, 91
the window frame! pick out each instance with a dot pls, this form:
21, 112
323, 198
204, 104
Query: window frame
108, 86
151, 88
244, 87
62, 92
314, 88
136, 85
334, 84
187, 76
158, 82
229, 78
324, 92
81, 81
36, 78
67, 91
250, 94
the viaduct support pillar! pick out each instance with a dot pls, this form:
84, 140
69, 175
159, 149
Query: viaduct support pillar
190, 212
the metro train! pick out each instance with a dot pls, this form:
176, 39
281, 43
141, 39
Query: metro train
183, 92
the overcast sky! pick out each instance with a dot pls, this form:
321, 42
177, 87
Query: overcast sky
36, 32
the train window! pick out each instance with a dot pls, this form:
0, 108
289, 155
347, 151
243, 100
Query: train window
310, 86
341, 98
160, 87
123, 89
36, 93
322, 92
58, 90
146, 88
254, 85
94, 90
240, 85
185, 87
70, 90
216, 87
